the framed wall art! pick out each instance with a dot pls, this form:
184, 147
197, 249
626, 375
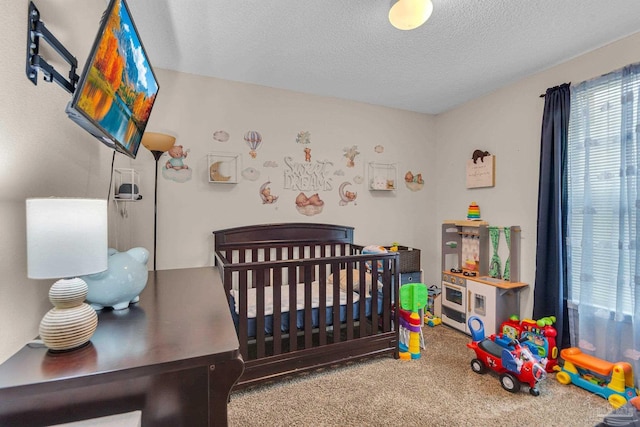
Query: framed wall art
481, 171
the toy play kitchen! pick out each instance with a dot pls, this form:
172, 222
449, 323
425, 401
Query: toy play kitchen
480, 273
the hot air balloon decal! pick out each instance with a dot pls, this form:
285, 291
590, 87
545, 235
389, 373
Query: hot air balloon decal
253, 139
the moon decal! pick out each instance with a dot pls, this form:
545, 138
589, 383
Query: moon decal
265, 194
214, 173
346, 196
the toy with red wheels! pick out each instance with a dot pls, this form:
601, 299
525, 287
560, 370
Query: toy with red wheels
515, 365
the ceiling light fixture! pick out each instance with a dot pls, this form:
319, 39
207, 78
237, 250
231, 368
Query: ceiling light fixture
409, 14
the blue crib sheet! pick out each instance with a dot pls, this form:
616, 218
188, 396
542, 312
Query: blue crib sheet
315, 316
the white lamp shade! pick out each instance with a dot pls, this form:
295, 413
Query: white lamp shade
410, 14
66, 237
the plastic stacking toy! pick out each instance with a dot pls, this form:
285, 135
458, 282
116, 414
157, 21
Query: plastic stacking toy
413, 297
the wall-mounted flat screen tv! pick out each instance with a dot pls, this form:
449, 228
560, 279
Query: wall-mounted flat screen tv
117, 88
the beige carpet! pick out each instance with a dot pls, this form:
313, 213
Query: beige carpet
439, 389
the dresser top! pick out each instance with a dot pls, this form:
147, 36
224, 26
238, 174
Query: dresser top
182, 320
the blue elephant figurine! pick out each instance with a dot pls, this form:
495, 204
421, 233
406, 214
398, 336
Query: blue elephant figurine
122, 282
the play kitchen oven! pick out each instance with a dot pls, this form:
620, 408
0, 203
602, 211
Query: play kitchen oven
454, 300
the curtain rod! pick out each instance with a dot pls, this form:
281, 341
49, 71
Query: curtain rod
542, 95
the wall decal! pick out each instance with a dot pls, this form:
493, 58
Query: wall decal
311, 176
378, 149
303, 137
215, 173
413, 182
221, 136
175, 169
346, 196
350, 153
177, 154
253, 140
307, 154
270, 164
339, 172
265, 194
251, 174
358, 179
309, 206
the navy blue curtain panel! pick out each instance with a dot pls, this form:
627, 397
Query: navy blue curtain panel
550, 293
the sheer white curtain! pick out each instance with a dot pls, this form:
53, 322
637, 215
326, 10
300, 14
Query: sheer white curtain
603, 201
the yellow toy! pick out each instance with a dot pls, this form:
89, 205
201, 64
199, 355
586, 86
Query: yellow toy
431, 320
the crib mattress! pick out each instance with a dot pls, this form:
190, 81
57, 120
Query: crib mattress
284, 300
284, 323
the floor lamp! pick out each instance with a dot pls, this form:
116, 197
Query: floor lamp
158, 144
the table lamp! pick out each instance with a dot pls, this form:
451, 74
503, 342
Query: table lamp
66, 238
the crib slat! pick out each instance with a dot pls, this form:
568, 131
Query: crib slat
277, 310
322, 318
261, 277
293, 297
308, 323
243, 326
227, 278
375, 273
362, 307
335, 311
349, 307
386, 296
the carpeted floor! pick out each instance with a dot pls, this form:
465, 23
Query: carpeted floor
439, 389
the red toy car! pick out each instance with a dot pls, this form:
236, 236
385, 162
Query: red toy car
515, 364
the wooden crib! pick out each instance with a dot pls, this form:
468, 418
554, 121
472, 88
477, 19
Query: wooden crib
268, 268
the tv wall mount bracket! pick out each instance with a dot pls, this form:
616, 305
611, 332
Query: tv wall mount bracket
36, 30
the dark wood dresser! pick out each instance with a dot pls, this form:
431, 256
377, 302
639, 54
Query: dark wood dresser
174, 356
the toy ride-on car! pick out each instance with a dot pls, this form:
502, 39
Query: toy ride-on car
515, 364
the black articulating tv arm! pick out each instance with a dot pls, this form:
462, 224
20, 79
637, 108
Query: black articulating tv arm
36, 30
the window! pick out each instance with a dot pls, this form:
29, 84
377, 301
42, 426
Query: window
602, 187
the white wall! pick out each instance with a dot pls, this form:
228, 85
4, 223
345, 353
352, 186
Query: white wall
507, 123
192, 108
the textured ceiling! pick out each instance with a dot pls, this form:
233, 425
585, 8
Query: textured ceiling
347, 48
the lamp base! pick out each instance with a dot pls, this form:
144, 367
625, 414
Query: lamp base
68, 328
71, 323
